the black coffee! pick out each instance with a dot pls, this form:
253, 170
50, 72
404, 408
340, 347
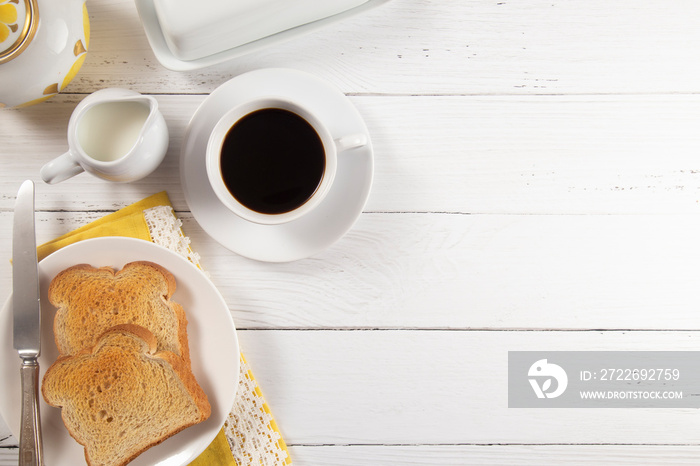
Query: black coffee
272, 161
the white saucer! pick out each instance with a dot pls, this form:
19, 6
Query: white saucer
310, 234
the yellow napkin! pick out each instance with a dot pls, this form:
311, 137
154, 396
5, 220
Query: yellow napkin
128, 221
250, 435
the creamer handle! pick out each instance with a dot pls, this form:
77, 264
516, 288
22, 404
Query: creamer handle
60, 169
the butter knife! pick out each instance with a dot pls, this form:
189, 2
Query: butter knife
26, 312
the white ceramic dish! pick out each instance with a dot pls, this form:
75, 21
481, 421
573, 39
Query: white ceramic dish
157, 40
307, 235
213, 349
218, 25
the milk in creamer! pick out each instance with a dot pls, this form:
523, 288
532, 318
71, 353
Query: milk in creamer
108, 131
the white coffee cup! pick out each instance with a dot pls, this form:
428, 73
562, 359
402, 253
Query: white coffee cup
332, 147
114, 134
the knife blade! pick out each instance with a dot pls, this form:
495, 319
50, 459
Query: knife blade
26, 322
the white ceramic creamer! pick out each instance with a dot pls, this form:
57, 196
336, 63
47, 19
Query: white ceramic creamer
114, 134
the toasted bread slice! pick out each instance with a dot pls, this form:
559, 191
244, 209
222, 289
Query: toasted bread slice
90, 300
122, 397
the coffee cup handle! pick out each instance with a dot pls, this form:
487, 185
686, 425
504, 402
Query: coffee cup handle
350, 142
60, 169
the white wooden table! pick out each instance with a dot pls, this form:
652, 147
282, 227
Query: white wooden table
537, 187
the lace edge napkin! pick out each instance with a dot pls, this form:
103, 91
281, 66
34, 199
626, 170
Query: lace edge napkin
250, 429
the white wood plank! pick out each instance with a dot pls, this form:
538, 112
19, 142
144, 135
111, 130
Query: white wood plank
458, 271
407, 388
455, 271
493, 455
541, 154
431, 47
535, 154
8, 457
6, 438
464, 455
442, 387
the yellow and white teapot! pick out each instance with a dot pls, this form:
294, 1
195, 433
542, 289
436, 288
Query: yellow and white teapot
43, 43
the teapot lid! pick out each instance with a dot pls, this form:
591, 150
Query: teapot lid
19, 20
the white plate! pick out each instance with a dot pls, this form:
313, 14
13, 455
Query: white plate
149, 20
310, 234
212, 338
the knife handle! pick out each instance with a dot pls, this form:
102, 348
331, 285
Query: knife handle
30, 444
